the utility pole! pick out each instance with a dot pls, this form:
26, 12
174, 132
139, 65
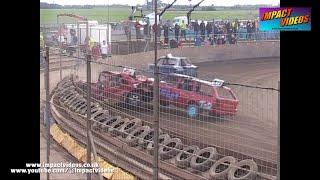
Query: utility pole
156, 99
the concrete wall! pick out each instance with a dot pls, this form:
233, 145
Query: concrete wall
201, 54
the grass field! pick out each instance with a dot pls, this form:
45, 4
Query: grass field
116, 14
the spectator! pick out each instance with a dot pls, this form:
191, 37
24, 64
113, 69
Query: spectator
159, 29
138, 32
209, 29
146, 29
196, 28
183, 27
96, 51
166, 28
104, 49
202, 30
176, 31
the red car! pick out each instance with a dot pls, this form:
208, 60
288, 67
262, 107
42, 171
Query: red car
194, 95
197, 96
126, 86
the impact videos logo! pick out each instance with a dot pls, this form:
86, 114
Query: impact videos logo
287, 19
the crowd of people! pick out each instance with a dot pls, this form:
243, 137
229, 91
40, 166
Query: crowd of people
218, 32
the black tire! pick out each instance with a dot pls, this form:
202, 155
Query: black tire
182, 160
170, 148
94, 108
71, 104
220, 168
130, 126
162, 139
204, 159
109, 122
100, 114
72, 100
132, 138
69, 96
243, 170
78, 108
97, 125
77, 105
147, 138
133, 99
66, 95
114, 130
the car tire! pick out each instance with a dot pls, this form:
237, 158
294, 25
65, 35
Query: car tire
235, 173
170, 148
133, 137
114, 129
210, 154
182, 160
133, 99
128, 127
193, 111
227, 163
109, 122
162, 139
147, 138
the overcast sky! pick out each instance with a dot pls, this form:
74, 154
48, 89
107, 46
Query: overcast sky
134, 2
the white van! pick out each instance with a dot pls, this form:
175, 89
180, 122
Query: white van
178, 20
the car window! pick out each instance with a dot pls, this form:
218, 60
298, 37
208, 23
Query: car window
161, 61
103, 78
115, 81
224, 93
171, 61
205, 90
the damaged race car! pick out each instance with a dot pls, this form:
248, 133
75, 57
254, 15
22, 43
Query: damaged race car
192, 95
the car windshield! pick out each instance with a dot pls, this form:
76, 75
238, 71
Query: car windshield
185, 62
167, 61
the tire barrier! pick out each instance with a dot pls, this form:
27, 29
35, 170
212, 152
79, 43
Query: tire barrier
114, 129
243, 170
183, 158
162, 139
220, 168
129, 126
170, 148
204, 159
134, 133
109, 122
133, 137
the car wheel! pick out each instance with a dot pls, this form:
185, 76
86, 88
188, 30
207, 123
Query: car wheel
133, 99
193, 110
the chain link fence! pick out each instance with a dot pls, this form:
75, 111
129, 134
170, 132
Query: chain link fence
219, 123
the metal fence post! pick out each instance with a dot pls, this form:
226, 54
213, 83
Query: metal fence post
278, 165
47, 82
156, 101
88, 112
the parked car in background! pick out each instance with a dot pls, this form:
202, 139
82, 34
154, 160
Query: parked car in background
179, 65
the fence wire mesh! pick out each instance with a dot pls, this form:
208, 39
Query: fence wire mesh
214, 132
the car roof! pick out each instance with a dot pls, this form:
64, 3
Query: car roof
192, 78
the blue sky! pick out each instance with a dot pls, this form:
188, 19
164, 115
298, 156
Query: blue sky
135, 2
